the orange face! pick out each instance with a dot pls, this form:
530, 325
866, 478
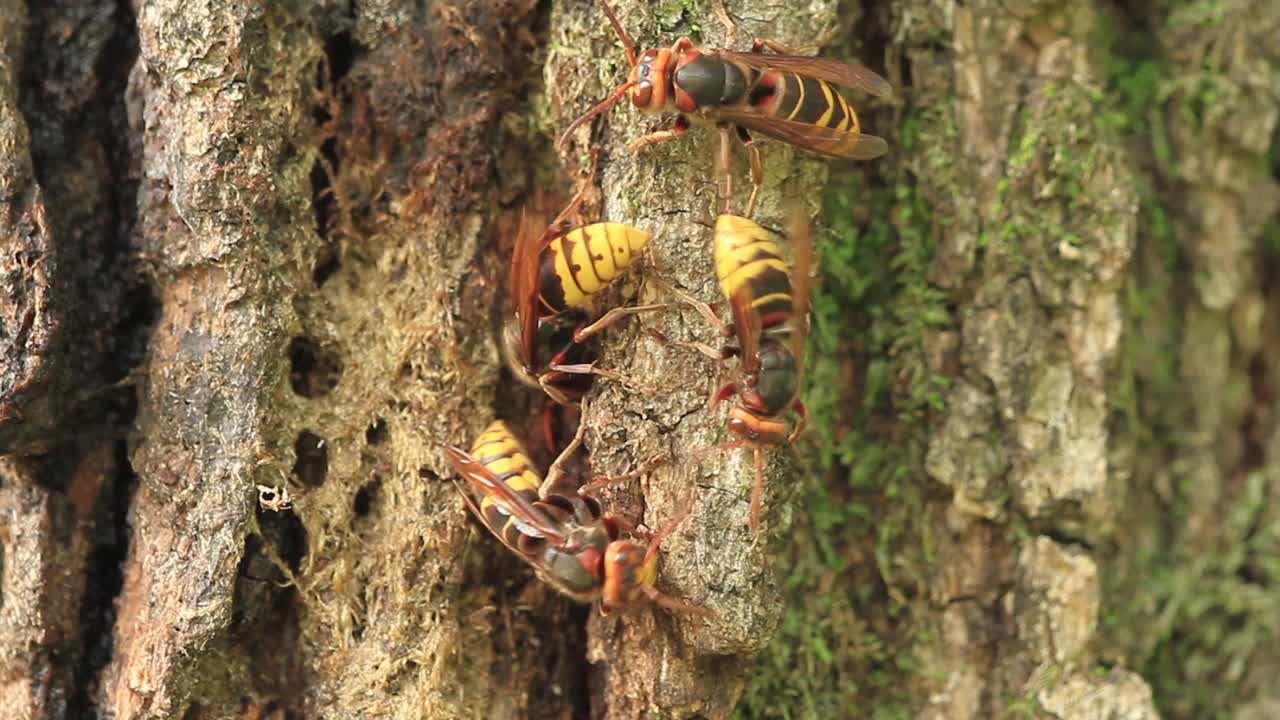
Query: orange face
650, 78
756, 429
625, 575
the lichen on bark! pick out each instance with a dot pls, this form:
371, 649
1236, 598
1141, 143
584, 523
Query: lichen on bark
1199, 416
1037, 261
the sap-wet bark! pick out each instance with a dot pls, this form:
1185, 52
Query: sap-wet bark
28, 262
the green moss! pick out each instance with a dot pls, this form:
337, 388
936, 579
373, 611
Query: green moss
1190, 610
1271, 239
847, 637
679, 15
1214, 616
1027, 704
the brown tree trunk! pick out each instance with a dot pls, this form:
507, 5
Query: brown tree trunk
256, 249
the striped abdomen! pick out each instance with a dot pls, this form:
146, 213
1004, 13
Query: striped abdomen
499, 451
803, 99
580, 262
748, 255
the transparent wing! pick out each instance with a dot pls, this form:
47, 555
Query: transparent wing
823, 140
529, 519
746, 325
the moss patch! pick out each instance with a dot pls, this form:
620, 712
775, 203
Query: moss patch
1191, 604
846, 640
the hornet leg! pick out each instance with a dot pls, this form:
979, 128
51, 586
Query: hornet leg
606, 481
761, 43
612, 317
556, 470
681, 126
591, 369
726, 167
701, 347
803, 412
730, 27
757, 170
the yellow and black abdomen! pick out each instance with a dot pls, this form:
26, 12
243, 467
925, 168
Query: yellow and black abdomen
749, 256
577, 264
503, 455
805, 100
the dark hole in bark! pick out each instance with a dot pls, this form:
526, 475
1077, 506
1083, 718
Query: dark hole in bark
259, 591
139, 309
254, 565
323, 203
876, 35
312, 464
341, 51
376, 434
428, 474
288, 535
265, 612
1275, 154
271, 710
106, 579
366, 496
1253, 428
580, 683
328, 262
321, 198
313, 371
195, 711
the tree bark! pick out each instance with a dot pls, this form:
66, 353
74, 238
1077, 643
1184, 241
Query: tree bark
253, 266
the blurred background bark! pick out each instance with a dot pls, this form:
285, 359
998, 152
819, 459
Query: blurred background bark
257, 248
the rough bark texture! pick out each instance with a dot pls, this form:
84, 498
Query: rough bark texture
1037, 258
256, 248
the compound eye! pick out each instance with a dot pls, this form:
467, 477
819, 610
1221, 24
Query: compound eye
642, 94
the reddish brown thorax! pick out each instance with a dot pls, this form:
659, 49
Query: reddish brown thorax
683, 100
